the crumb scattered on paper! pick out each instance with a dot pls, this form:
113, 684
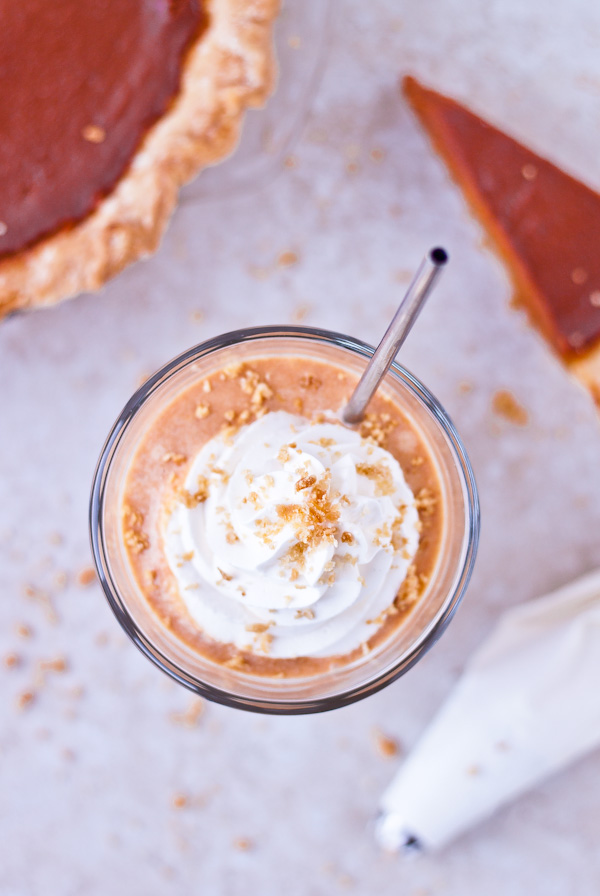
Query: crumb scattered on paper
192, 714
86, 576
301, 312
35, 594
287, 259
243, 844
386, 746
25, 699
506, 405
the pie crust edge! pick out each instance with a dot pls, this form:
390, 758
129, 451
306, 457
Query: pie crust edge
230, 68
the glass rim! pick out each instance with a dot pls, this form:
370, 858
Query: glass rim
430, 634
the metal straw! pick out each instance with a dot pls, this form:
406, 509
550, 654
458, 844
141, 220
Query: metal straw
395, 334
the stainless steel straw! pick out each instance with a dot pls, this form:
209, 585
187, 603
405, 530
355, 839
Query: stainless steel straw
395, 334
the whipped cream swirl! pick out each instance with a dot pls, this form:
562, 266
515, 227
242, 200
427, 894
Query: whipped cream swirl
298, 538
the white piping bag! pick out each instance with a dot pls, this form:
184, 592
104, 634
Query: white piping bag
527, 705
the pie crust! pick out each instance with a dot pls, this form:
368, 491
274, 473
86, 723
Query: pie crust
231, 67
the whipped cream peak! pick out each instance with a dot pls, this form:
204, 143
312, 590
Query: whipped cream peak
306, 532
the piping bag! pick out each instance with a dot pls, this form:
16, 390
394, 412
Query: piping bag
527, 705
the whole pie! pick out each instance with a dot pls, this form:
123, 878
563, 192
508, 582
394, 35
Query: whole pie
106, 109
543, 222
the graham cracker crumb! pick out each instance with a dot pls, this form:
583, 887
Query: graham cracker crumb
301, 312
201, 494
42, 598
243, 844
26, 699
60, 579
174, 458
377, 155
207, 386
136, 541
59, 664
263, 642
234, 371
179, 801
227, 432
258, 627
376, 428
261, 393
380, 475
305, 482
314, 520
286, 259
237, 661
151, 576
12, 660
192, 715
283, 455
93, 133
23, 630
386, 746
202, 411
474, 770
425, 502
506, 405
347, 537
308, 381
306, 613
409, 590
86, 576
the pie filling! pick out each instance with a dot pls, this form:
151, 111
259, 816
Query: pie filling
82, 83
544, 221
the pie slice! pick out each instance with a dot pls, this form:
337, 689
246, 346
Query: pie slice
106, 109
544, 223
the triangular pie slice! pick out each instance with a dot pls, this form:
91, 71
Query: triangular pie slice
544, 223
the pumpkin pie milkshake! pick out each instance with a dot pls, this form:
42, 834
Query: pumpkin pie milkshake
266, 539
